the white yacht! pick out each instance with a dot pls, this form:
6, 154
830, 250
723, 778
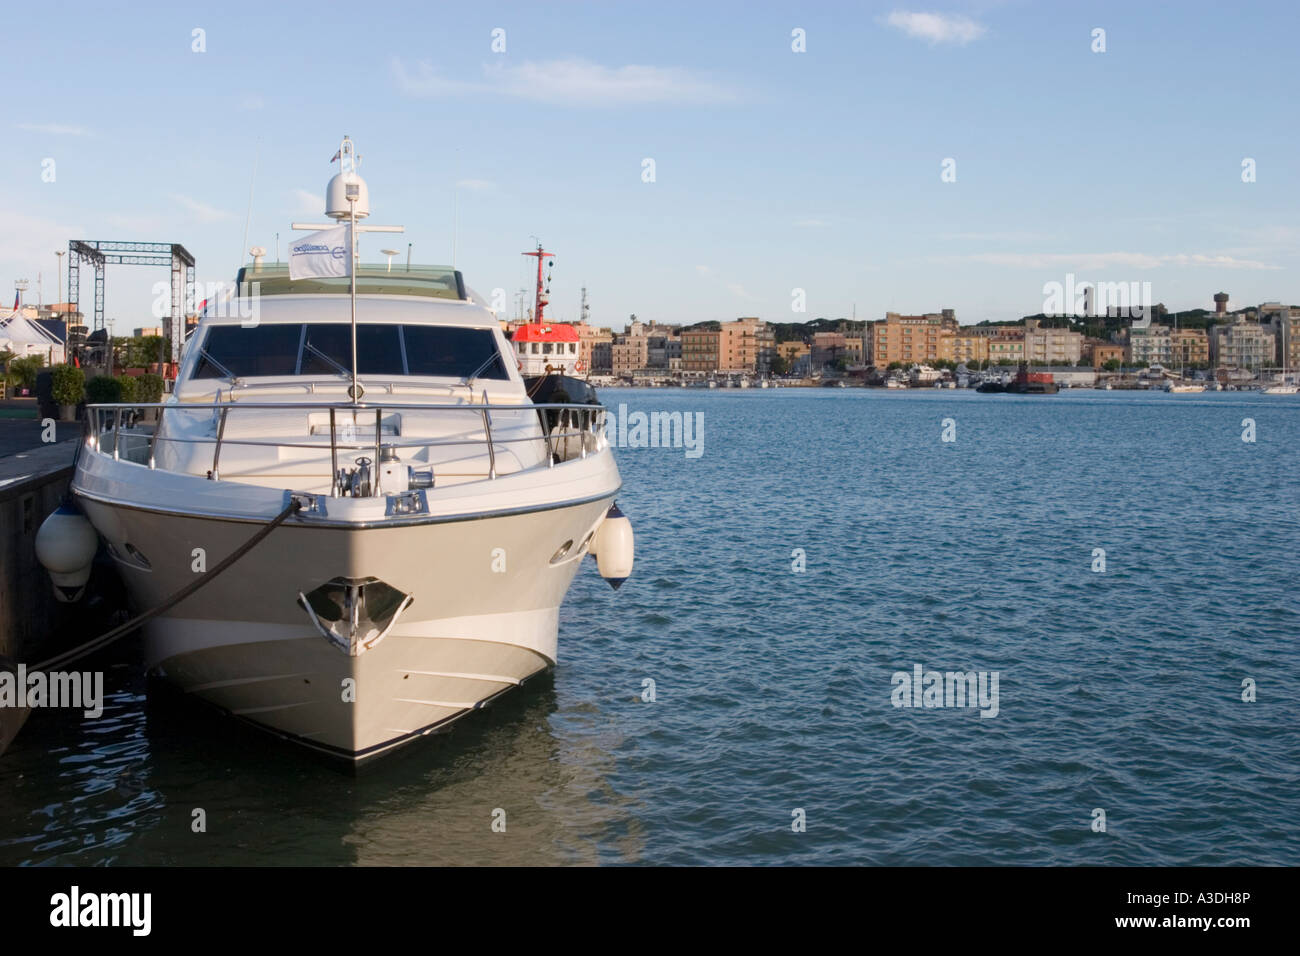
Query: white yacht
420, 532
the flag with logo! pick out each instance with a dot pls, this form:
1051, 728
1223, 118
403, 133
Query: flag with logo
323, 253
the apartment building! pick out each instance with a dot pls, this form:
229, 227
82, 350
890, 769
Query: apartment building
913, 339
1189, 347
1242, 344
1051, 346
700, 350
745, 345
1153, 345
1284, 322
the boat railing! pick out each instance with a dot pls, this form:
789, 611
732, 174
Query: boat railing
110, 426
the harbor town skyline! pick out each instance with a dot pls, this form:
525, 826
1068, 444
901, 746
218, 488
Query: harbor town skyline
699, 164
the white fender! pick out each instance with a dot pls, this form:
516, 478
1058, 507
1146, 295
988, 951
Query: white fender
614, 548
65, 546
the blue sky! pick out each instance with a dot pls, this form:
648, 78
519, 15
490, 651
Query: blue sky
774, 170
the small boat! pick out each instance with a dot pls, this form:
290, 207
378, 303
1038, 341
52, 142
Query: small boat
1031, 383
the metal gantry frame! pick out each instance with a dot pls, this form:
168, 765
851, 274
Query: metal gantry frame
100, 253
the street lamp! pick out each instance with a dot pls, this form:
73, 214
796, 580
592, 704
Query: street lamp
58, 271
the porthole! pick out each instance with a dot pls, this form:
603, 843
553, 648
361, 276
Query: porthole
562, 552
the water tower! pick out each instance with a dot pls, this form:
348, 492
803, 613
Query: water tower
1220, 303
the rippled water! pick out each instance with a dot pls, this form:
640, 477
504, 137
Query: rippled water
1118, 690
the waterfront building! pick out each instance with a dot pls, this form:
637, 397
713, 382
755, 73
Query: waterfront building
970, 345
1242, 344
1051, 346
1152, 345
700, 350
1078, 376
827, 347
1284, 322
628, 354
590, 339
1007, 347
913, 339
745, 345
1099, 352
796, 354
855, 349
1189, 347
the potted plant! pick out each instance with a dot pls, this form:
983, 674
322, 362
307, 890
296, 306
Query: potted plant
103, 390
149, 388
129, 387
68, 384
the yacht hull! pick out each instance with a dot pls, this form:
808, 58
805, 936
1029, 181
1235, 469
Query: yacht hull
482, 618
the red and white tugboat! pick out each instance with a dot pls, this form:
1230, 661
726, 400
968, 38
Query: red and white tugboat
544, 348
550, 353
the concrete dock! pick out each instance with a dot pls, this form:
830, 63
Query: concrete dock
33, 478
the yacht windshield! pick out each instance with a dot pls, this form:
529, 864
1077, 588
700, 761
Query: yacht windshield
326, 349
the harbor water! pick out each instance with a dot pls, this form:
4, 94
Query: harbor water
1124, 562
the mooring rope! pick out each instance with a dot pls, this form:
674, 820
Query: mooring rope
121, 630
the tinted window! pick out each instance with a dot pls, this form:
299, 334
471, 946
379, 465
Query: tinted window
453, 352
263, 350
326, 349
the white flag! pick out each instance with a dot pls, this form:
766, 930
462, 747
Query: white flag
323, 253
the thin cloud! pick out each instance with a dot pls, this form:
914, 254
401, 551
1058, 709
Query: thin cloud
1106, 260
307, 203
252, 101
476, 185
54, 129
566, 82
995, 236
200, 210
811, 223
936, 28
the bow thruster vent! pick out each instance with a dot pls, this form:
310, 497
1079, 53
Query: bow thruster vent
354, 614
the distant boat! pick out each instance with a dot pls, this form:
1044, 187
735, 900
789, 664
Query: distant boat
1183, 388
1282, 389
1031, 383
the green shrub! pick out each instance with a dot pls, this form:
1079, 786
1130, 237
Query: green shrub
67, 383
102, 390
23, 371
149, 388
129, 387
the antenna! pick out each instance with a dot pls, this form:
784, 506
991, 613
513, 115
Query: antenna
249, 215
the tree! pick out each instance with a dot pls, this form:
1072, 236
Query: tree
1112, 365
780, 365
22, 371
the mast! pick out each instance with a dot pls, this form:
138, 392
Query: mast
347, 198
542, 293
